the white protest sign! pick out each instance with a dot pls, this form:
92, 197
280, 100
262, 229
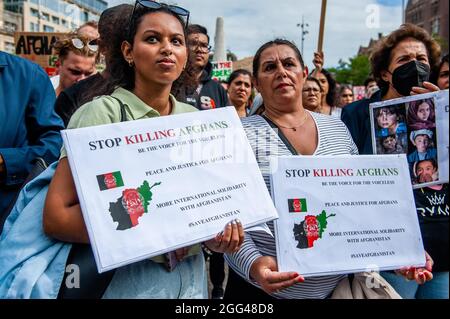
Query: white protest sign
345, 214
152, 186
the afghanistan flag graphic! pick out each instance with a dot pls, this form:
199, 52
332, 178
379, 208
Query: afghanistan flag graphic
131, 206
310, 230
110, 181
297, 205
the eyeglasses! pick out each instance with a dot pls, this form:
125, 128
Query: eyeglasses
80, 44
312, 90
179, 11
195, 45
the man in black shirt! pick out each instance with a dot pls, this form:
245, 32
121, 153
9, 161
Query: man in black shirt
209, 94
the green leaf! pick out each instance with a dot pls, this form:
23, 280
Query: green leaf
322, 220
145, 191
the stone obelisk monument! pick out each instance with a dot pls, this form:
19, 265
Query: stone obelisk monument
220, 53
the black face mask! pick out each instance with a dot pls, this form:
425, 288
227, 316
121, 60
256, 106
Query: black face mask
408, 75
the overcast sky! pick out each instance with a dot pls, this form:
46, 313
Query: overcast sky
250, 23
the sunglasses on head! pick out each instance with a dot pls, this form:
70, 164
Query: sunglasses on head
179, 11
80, 44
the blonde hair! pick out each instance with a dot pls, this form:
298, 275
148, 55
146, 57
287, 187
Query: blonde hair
64, 45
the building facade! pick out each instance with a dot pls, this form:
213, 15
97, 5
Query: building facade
372, 45
432, 15
44, 16
10, 22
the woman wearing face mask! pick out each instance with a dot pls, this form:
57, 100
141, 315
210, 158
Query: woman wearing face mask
284, 128
401, 65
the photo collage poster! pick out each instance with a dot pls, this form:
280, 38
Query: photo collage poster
408, 126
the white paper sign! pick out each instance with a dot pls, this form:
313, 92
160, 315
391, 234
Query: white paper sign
416, 126
152, 186
345, 214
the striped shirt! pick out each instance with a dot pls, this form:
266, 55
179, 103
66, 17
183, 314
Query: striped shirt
334, 139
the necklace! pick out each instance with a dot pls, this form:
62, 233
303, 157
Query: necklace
294, 128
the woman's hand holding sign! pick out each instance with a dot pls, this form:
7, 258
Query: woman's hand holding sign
420, 275
265, 271
230, 240
427, 88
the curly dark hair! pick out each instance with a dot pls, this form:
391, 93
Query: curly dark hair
381, 57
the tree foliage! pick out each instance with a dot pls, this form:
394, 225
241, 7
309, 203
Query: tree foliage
442, 42
354, 72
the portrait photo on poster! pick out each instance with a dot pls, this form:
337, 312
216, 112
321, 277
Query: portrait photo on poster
409, 126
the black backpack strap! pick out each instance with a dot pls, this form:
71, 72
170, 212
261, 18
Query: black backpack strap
123, 113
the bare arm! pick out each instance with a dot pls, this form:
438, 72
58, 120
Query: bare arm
318, 62
265, 271
63, 219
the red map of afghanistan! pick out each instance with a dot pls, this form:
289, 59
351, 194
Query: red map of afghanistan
132, 205
310, 230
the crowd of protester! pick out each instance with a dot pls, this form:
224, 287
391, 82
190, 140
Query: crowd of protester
168, 72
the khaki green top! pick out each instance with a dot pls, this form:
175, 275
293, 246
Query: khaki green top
106, 110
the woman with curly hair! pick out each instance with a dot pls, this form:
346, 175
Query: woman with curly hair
401, 65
